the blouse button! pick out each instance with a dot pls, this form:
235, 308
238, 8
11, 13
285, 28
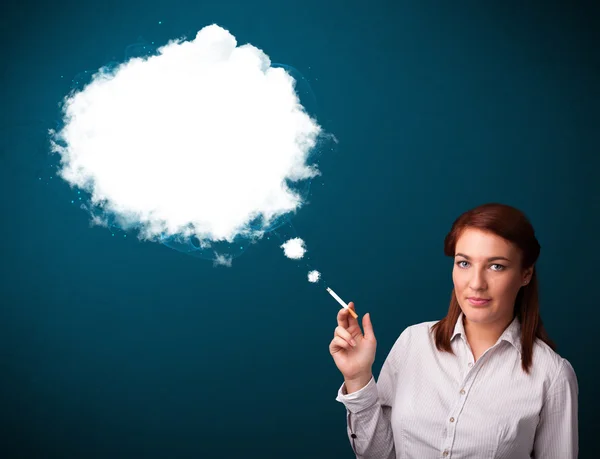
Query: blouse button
462, 391
445, 453
451, 419
470, 364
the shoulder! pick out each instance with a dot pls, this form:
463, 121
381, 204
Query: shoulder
546, 358
415, 334
557, 370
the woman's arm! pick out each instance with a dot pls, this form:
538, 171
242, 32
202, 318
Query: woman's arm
368, 411
557, 433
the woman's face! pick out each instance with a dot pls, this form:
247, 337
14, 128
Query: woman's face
487, 276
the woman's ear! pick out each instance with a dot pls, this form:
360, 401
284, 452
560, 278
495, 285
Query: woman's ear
527, 273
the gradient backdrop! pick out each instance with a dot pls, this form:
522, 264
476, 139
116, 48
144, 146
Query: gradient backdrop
111, 348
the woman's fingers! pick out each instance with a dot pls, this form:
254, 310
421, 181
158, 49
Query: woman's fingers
345, 335
344, 319
368, 326
338, 343
351, 319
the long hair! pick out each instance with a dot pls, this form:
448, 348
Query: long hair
512, 225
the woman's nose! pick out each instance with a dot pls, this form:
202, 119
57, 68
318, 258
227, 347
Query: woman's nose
477, 281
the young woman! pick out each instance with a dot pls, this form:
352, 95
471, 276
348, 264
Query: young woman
483, 382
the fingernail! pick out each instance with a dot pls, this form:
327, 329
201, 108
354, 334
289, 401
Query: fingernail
353, 342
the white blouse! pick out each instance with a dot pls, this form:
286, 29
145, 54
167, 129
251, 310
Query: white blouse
432, 404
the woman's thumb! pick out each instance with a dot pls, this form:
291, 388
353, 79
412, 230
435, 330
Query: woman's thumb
368, 326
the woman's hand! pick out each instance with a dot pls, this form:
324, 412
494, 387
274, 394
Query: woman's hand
353, 352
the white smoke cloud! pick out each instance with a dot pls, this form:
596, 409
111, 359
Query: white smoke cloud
294, 248
314, 276
198, 140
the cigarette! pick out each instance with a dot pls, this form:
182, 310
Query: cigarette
339, 300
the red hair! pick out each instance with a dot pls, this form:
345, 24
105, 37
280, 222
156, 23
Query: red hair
512, 225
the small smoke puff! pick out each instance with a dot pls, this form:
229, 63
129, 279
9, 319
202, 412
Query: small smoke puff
314, 276
222, 260
294, 248
98, 221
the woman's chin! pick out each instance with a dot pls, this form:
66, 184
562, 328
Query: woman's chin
477, 313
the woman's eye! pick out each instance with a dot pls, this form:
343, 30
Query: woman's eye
495, 266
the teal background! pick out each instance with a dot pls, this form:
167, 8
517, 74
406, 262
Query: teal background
114, 348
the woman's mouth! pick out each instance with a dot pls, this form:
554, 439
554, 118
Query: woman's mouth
478, 301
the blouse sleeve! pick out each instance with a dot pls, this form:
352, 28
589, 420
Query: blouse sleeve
368, 411
556, 435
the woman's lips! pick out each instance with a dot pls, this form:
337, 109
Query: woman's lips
475, 302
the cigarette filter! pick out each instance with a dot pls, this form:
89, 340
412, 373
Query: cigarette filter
339, 300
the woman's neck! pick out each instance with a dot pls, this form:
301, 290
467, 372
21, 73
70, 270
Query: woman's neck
484, 335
